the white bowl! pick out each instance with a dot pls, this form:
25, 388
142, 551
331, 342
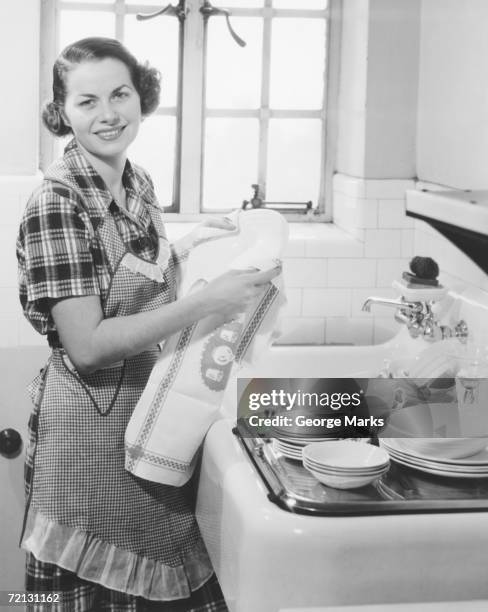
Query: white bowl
346, 454
345, 482
443, 448
343, 471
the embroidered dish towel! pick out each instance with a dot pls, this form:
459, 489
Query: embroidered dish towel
183, 395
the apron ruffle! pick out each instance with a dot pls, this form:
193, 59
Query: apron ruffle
112, 567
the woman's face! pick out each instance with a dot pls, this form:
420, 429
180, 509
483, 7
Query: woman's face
102, 107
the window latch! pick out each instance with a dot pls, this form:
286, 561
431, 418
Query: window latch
176, 11
207, 10
258, 202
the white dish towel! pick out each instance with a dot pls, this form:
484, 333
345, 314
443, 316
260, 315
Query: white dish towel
183, 395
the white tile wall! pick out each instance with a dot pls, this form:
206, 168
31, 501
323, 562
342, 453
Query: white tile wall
305, 272
329, 269
293, 307
387, 270
407, 243
387, 189
326, 302
383, 243
391, 215
351, 273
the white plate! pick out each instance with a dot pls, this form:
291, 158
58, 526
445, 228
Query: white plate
474, 471
287, 452
436, 471
393, 451
452, 449
480, 458
303, 441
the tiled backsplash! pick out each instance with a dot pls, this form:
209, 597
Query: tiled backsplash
369, 246
329, 269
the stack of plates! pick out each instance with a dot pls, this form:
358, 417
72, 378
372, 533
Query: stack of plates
475, 466
292, 447
344, 464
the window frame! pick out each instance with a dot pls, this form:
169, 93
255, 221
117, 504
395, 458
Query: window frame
189, 167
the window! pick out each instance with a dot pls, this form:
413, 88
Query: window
231, 116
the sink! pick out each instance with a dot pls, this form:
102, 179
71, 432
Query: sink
268, 559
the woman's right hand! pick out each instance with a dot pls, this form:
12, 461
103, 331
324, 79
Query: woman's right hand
233, 291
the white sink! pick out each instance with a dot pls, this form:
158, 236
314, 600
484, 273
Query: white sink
268, 559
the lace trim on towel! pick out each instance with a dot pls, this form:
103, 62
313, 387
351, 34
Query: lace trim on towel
114, 568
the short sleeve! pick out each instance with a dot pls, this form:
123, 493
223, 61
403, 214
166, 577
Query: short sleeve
54, 255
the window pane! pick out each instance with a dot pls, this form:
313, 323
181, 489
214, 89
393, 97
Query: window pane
80, 24
150, 3
91, 1
231, 154
294, 160
300, 4
154, 150
297, 63
242, 4
156, 41
234, 72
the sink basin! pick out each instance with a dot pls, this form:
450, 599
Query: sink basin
324, 362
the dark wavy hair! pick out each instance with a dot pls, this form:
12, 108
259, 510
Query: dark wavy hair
146, 80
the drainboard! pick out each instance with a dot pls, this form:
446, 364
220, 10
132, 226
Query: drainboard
401, 490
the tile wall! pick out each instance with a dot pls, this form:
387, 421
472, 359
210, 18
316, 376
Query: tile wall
329, 269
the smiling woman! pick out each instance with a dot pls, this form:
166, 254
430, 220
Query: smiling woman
105, 124
97, 276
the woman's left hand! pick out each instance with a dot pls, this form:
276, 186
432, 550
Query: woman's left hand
201, 233
218, 222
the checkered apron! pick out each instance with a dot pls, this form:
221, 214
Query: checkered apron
75, 472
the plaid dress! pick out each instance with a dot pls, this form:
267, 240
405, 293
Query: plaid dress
91, 528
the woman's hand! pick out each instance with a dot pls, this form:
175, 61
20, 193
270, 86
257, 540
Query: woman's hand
232, 292
218, 222
201, 232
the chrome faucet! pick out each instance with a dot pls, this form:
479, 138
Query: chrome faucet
419, 319
401, 304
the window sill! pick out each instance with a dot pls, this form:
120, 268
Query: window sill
306, 239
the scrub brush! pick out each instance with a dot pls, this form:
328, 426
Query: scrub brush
424, 271
421, 284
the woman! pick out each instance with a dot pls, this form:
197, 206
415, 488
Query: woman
97, 276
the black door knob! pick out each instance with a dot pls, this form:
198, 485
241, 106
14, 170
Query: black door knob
10, 442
